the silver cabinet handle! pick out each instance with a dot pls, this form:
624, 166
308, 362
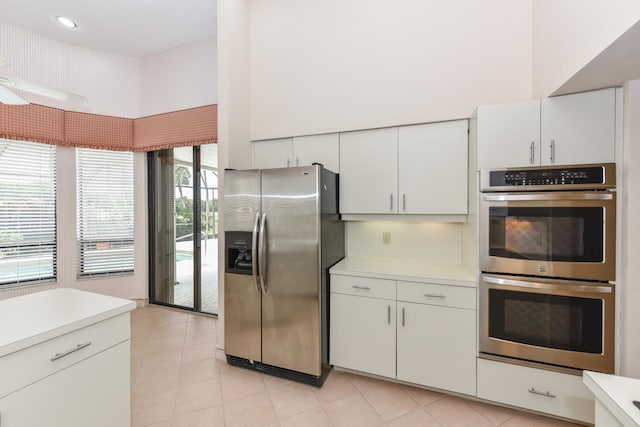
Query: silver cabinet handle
404, 202
297, 161
71, 350
430, 295
262, 254
361, 287
391, 202
552, 158
254, 252
402, 316
541, 393
389, 314
288, 162
531, 152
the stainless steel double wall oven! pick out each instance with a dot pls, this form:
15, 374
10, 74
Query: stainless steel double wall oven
547, 254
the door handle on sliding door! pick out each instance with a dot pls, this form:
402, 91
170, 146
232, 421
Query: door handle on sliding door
254, 252
262, 254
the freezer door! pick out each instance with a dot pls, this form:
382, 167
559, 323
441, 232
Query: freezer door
291, 329
241, 199
242, 298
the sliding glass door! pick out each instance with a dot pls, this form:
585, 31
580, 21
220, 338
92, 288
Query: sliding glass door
183, 196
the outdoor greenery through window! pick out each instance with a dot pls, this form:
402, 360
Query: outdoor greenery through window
104, 182
27, 212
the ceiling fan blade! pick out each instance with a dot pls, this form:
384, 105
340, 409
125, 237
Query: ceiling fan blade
61, 95
10, 98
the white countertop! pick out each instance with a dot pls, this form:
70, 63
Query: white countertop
413, 271
30, 319
616, 394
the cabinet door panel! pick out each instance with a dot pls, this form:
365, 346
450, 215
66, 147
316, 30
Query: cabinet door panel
432, 169
94, 392
437, 347
323, 149
369, 171
507, 133
581, 126
363, 334
273, 153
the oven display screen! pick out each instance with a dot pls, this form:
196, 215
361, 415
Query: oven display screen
547, 234
550, 321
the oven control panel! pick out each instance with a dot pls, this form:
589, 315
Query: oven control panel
550, 178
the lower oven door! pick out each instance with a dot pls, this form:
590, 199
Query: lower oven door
557, 322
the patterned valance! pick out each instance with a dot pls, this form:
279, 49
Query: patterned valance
38, 123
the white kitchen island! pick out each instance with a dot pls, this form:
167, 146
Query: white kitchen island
65, 360
614, 399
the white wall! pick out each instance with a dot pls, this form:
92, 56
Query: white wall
110, 82
336, 65
629, 290
567, 34
234, 149
180, 78
422, 241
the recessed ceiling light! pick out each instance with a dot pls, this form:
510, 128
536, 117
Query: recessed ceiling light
66, 22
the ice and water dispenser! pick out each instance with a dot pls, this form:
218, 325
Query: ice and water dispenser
238, 252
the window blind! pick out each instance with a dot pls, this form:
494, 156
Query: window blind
105, 212
27, 212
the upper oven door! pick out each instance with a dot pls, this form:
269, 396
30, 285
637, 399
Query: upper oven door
553, 234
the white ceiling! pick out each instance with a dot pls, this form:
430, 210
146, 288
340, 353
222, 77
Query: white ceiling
129, 27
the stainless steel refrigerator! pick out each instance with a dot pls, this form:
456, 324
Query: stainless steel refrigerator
282, 234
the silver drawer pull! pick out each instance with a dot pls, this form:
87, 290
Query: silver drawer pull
71, 350
361, 287
430, 295
541, 393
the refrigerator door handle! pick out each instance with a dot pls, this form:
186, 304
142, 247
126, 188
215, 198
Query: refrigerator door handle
254, 253
262, 254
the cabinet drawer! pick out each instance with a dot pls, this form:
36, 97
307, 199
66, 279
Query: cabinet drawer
363, 286
27, 366
525, 387
434, 294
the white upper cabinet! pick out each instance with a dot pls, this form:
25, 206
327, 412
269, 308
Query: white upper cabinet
324, 149
369, 171
297, 151
273, 153
432, 168
509, 134
569, 129
579, 128
401, 170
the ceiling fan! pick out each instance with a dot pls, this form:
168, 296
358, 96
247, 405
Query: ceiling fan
7, 96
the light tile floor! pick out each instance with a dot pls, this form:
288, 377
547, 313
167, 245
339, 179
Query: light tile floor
177, 382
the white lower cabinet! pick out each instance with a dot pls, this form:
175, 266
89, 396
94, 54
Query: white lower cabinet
549, 392
93, 392
437, 347
432, 332
363, 334
65, 360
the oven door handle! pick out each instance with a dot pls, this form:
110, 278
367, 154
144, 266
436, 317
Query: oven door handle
547, 196
549, 286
